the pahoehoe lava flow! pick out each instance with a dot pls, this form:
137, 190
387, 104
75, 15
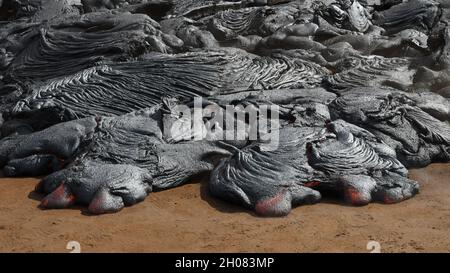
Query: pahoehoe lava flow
90, 91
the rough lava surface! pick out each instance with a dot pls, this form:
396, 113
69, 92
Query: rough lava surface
89, 89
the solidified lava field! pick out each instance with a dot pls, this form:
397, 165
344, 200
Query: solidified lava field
335, 101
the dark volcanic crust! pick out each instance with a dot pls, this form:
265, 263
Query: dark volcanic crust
88, 93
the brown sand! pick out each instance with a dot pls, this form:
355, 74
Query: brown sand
187, 219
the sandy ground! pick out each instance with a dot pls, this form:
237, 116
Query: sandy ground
187, 219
